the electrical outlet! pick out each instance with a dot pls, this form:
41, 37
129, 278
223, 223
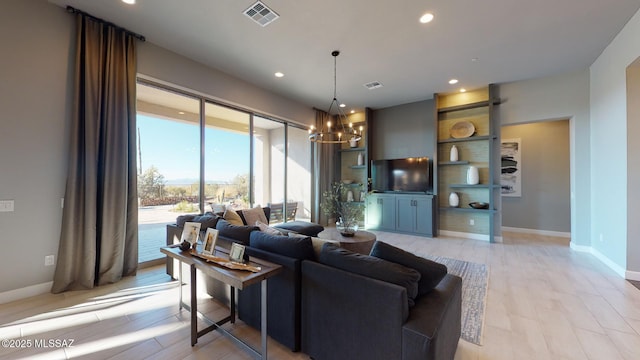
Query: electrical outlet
49, 260
472, 222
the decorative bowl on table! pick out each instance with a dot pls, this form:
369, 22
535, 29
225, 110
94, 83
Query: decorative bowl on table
479, 205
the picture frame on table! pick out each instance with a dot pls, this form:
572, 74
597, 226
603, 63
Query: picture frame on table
190, 233
209, 242
237, 253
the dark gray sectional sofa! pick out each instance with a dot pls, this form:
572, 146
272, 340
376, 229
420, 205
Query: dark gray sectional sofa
342, 305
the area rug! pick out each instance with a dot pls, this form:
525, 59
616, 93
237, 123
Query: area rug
474, 292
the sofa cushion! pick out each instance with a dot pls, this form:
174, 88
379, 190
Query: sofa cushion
208, 220
294, 247
239, 233
372, 267
180, 220
431, 272
252, 215
302, 227
232, 217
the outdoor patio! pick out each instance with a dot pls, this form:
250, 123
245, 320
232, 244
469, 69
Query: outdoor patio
152, 230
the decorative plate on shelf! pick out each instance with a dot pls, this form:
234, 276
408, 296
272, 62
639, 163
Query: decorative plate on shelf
462, 129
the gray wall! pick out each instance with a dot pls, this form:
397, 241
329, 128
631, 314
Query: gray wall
37, 39
159, 64
403, 131
633, 168
545, 200
564, 96
615, 230
35, 98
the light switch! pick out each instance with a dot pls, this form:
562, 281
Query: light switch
6, 205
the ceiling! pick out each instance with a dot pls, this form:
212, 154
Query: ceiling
477, 42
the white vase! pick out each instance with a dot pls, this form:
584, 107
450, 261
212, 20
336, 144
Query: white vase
473, 178
454, 200
453, 156
360, 159
353, 142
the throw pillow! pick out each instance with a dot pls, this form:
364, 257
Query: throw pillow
318, 243
268, 229
232, 217
372, 267
253, 215
431, 272
237, 233
294, 247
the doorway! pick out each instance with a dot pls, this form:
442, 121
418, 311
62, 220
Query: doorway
543, 204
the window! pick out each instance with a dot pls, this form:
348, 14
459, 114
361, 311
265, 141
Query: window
168, 134
192, 161
226, 158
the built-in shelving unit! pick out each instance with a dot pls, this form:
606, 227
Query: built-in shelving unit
479, 150
347, 167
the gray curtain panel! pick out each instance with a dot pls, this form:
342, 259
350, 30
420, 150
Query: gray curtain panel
324, 165
99, 238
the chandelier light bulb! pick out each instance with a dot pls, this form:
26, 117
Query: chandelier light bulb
323, 133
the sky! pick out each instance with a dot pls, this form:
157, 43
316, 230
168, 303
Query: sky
174, 148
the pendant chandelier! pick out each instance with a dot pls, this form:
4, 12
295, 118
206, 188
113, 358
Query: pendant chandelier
330, 133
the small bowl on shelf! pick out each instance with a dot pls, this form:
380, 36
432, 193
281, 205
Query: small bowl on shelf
479, 205
347, 181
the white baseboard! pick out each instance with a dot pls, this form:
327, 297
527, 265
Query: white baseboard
605, 260
581, 248
25, 292
472, 236
632, 275
537, 232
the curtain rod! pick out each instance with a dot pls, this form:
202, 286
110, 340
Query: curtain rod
72, 10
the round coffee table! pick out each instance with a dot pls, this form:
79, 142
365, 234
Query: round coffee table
361, 242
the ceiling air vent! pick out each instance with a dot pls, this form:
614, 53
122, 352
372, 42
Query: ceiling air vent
373, 85
261, 14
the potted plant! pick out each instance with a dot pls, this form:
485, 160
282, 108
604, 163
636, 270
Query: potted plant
334, 204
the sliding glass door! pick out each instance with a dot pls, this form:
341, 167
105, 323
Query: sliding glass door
196, 156
269, 166
299, 172
226, 158
168, 133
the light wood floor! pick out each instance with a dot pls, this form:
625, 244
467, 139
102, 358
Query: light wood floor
545, 301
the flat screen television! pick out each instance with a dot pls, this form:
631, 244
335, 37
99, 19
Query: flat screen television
401, 175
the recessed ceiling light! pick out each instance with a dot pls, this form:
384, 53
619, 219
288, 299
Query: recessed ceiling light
426, 18
453, 81
130, 2
342, 105
279, 74
463, 90
181, 112
353, 111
